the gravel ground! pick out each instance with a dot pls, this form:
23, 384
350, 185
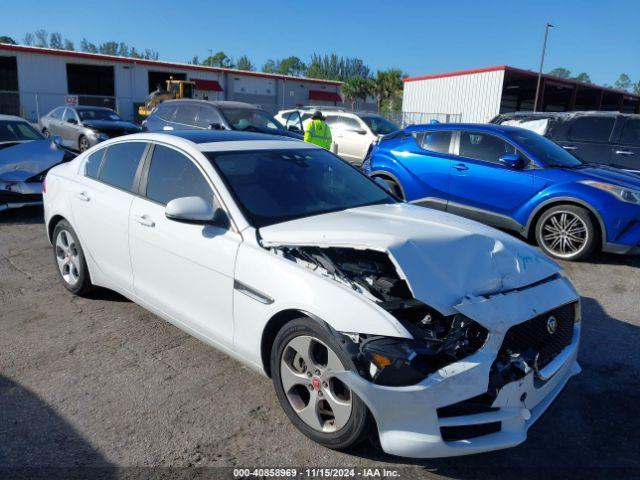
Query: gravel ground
101, 382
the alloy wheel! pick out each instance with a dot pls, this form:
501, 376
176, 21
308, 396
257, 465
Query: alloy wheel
321, 400
565, 234
68, 258
84, 144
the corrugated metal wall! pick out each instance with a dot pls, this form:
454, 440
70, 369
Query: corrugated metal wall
475, 96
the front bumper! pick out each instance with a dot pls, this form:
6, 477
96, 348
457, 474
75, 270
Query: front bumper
20, 194
408, 419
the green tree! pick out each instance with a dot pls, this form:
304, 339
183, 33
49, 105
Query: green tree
583, 77
42, 38
270, 66
108, 48
636, 88
332, 67
6, 39
87, 46
623, 82
220, 59
387, 88
68, 44
560, 72
123, 49
55, 41
195, 60
291, 66
356, 88
244, 63
29, 39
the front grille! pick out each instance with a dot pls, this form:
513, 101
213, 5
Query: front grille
533, 337
451, 434
479, 404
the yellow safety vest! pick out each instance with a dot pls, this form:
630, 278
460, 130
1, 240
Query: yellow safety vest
318, 133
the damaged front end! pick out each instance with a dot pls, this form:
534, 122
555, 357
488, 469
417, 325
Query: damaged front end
437, 341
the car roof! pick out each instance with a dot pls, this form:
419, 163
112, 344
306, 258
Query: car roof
215, 103
597, 113
477, 127
89, 107
212, 136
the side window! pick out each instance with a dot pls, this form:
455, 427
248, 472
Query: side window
481, 146
172, 175
57, 113
437, 142
294, 120
349, 123
592, 129
120, 164
92, 165
332, 120
68, 114
208, 116
631, 132
186, 114
166, 111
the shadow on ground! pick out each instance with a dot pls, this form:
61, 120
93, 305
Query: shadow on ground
37, 442
22, 216
591, 431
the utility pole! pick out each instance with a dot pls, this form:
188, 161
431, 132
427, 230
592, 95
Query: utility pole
544, 49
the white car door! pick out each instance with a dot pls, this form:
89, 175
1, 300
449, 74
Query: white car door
184, 270
100, 202
351, 138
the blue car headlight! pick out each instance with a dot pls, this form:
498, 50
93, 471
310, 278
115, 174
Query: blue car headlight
621, 193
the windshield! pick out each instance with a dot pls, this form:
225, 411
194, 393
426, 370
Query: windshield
17, 131
275, 186
379, 125
245, 118
99, 114
546, 151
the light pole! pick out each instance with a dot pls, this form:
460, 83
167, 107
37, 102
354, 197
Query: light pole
544, 48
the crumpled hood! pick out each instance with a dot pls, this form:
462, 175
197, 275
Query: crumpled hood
111, 125
444, 258
24, 160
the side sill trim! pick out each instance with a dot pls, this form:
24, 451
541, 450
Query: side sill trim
252, 293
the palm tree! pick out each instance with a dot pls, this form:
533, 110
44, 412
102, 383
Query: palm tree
356, 88
387, 86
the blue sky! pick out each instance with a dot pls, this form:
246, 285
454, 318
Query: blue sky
601, 38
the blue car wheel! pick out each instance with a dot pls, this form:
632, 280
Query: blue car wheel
566, 232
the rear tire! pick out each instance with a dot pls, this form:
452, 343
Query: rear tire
70, 260
303, 358
393, 187
566, 232
83, 143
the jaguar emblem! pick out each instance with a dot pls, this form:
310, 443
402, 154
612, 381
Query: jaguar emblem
552, 325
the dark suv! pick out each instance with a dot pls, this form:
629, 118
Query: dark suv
607, 138
220, 115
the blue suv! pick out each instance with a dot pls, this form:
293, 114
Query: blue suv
513, 179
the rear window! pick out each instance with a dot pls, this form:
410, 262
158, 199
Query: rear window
437, 142
631, 132
186, 114
592, 129
166, 111
482, 146
120, 164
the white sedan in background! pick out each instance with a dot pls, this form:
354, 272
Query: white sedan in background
447, 336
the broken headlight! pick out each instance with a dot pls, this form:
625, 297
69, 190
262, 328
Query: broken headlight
400, 362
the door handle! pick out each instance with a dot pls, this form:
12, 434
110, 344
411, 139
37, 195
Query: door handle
144, 220
624, 152
461, 167
83, 196
569, 147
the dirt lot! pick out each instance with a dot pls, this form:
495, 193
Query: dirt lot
101, 382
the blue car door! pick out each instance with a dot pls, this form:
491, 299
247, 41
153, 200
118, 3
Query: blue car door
483, 188
429, 162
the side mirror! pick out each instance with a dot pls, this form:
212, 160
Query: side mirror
215, 126
57, 139
511, 160
293, 128
195, 210
72, 121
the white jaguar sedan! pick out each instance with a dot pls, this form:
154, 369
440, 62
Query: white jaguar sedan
446, 336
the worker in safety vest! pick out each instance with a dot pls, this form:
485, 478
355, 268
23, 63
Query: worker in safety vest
318, 132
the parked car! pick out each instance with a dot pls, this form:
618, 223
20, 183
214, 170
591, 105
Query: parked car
83, 127
606, 138
446, 335
25, 158
214, 115
515, 179
353, 132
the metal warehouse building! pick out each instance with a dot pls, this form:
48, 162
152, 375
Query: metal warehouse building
35, 80
478, 95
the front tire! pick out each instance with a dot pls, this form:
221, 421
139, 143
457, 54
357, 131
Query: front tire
566, 232
303, 360
70, 260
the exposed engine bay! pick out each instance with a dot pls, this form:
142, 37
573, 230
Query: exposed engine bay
437, 340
